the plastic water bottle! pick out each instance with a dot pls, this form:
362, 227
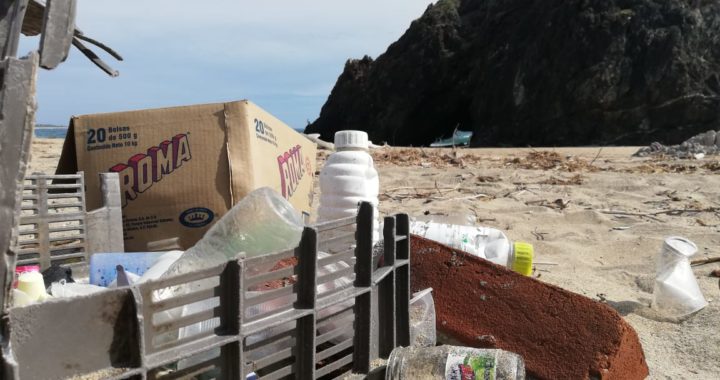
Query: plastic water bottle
454, 363
488, 243
261, 223
348, 178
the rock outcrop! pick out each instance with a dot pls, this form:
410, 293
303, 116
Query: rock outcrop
539, 72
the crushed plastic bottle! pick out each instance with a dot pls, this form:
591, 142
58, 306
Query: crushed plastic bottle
261, 223
454, 363
488, 243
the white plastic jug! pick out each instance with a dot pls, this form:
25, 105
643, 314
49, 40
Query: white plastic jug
488, 243
348, 178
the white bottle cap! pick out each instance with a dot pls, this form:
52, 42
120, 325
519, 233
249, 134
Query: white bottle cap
351, 139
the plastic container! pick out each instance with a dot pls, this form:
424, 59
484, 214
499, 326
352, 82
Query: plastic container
422, 319
348, 178
676, 293
103, 265
453, 363
32, 284
488, 243
261, 223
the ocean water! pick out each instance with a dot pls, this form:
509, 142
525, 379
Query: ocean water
50, 133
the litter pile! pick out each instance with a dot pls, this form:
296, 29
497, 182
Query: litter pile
707, 143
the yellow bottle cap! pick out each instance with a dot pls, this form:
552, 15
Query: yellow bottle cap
523, 262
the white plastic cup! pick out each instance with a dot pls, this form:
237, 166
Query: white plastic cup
676, 293
33, 285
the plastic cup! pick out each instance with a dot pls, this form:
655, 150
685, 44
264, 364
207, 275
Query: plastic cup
32, 284
676, 293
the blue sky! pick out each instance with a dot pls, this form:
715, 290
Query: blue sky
284, 55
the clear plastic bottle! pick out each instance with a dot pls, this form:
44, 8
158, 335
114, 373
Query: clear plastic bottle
453, 363
488, 243
261, 223
348, 178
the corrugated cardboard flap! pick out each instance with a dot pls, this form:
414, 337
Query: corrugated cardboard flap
239, 148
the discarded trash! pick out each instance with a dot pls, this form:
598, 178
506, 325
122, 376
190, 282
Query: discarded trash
458, 138
103, 265
33, 285
181, 168
488, 243
676, 293
349, 177
22, 269
161, 266
453, 362
422, 319
64, 289
20, 298
262, 223
56, 273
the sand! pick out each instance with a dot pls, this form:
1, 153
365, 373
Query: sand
570, 203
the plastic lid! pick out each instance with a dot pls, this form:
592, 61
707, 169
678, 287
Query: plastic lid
523, 262
351, 139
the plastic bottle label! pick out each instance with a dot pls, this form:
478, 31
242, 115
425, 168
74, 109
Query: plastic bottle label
470, 367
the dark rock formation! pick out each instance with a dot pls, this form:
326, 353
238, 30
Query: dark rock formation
539, 72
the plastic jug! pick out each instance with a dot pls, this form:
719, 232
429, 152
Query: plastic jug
488, 243
454, 363
348, 178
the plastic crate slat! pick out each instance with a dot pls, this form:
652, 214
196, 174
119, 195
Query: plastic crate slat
280, 373
274, 275
400, 237
260, 261
67, 247
340, 297
187, 320
78, 236
251, 328
276, 310
380, 274
346, 256
65, 256
334, 349
64, 195
274, 357
160, 358
333, 224
341, 237
334, 366
80, 227
285, 338
185, 278
194, 370
336, 315
185, 340
184, 299
332, 276
269, 295
346, 327
52, 218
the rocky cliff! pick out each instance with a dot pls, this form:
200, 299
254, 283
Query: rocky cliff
539, 72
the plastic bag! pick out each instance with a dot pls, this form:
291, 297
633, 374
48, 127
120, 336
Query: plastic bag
676, 293
422, 319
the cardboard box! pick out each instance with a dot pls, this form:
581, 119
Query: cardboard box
182, 168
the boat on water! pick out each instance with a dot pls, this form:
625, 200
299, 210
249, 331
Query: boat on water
459, 138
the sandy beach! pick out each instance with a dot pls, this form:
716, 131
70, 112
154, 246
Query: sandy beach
597, 218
